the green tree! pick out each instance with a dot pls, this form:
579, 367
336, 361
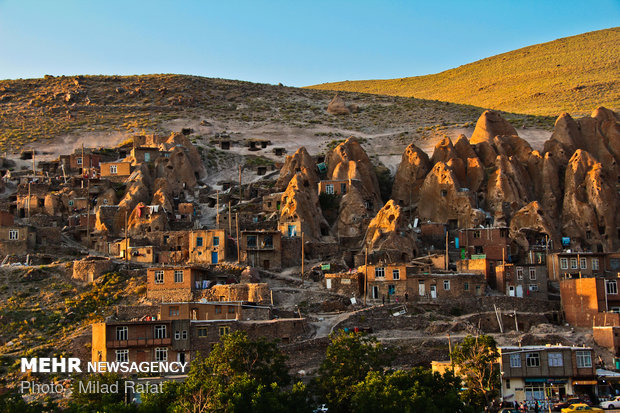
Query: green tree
100, 402
241, 375
349, 358
415, 390
476, 357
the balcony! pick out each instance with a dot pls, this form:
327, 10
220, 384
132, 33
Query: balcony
139, 342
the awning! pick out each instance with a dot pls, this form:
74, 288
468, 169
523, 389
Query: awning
584, 382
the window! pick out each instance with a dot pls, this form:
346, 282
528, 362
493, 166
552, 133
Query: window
555, 360
477, 290
379, 272
343, 188
564, 263
13, 234
251, 241
177, 335
573, 263
184, 335
396, 274
612, 286
532, 273
216, 241
477, 234
444, 193
173, 311
178, 276
231, 309
329, 189
113, 170
218, 309
160, 331
159, 277
122, 356
519, 273
466, 286
180, 335
122, 333
391, 289
199, 241
71, 202
532, 359
161, 354
595, 264
202, 332
79, 161
515, 360
507, 383
583, 263
223, 330
446, 285
268, 241
533, 288
584, 359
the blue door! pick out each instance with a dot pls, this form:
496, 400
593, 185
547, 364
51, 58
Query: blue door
214, 257
291, 230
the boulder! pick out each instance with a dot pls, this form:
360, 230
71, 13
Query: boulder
444, 151
410, 175
337, 106
489, 125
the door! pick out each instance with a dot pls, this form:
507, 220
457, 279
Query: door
181, 357
214, 257
421, 288
147, 157
328, 283
375, 292
291, 230
511, 291
519, 291
433, 291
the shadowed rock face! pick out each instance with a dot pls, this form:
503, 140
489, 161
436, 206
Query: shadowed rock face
388, 233
532, 217
350, 161
352, 215
489, 125
410, 176
300, 161
177, 170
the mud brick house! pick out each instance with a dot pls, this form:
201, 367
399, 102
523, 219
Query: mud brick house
178, 283
172, 246
115, 169
338, 186
208, 246
546, 372
261, 248
272, 202
177, 331
185, 212
482, 266
6, 219
75, 163
589, 302
146, 154
492, 243
350, 284
31, 199
522, 280
145, 254
385, 280
565, 264
17, 239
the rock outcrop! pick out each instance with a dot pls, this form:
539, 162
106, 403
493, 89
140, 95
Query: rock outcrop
489, 125
410, 176
177, 170
337, 106
300, 205
389, 234
300, 161
532, 217
144, 219
352, 215
350, 161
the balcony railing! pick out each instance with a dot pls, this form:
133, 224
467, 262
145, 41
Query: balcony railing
139, 342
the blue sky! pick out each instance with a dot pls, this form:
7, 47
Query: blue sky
293, 42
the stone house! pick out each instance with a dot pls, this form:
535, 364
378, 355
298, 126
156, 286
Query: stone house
115, 169
492, 243
349, 284
179, 283
565, 264
17, 239
261, 248
516, 280
208, 246
272, 202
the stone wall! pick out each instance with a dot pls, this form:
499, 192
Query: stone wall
89, 270
253, 292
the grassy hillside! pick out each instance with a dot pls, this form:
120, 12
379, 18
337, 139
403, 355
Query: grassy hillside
35, 110
574, 74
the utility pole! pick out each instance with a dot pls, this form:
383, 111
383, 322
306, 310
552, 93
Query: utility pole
237, 242
83, 165
240, 187
447, 259
28, 202
126, 240
365, 273
302, 256
217, 209
229, 220
34, 169
87, 209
